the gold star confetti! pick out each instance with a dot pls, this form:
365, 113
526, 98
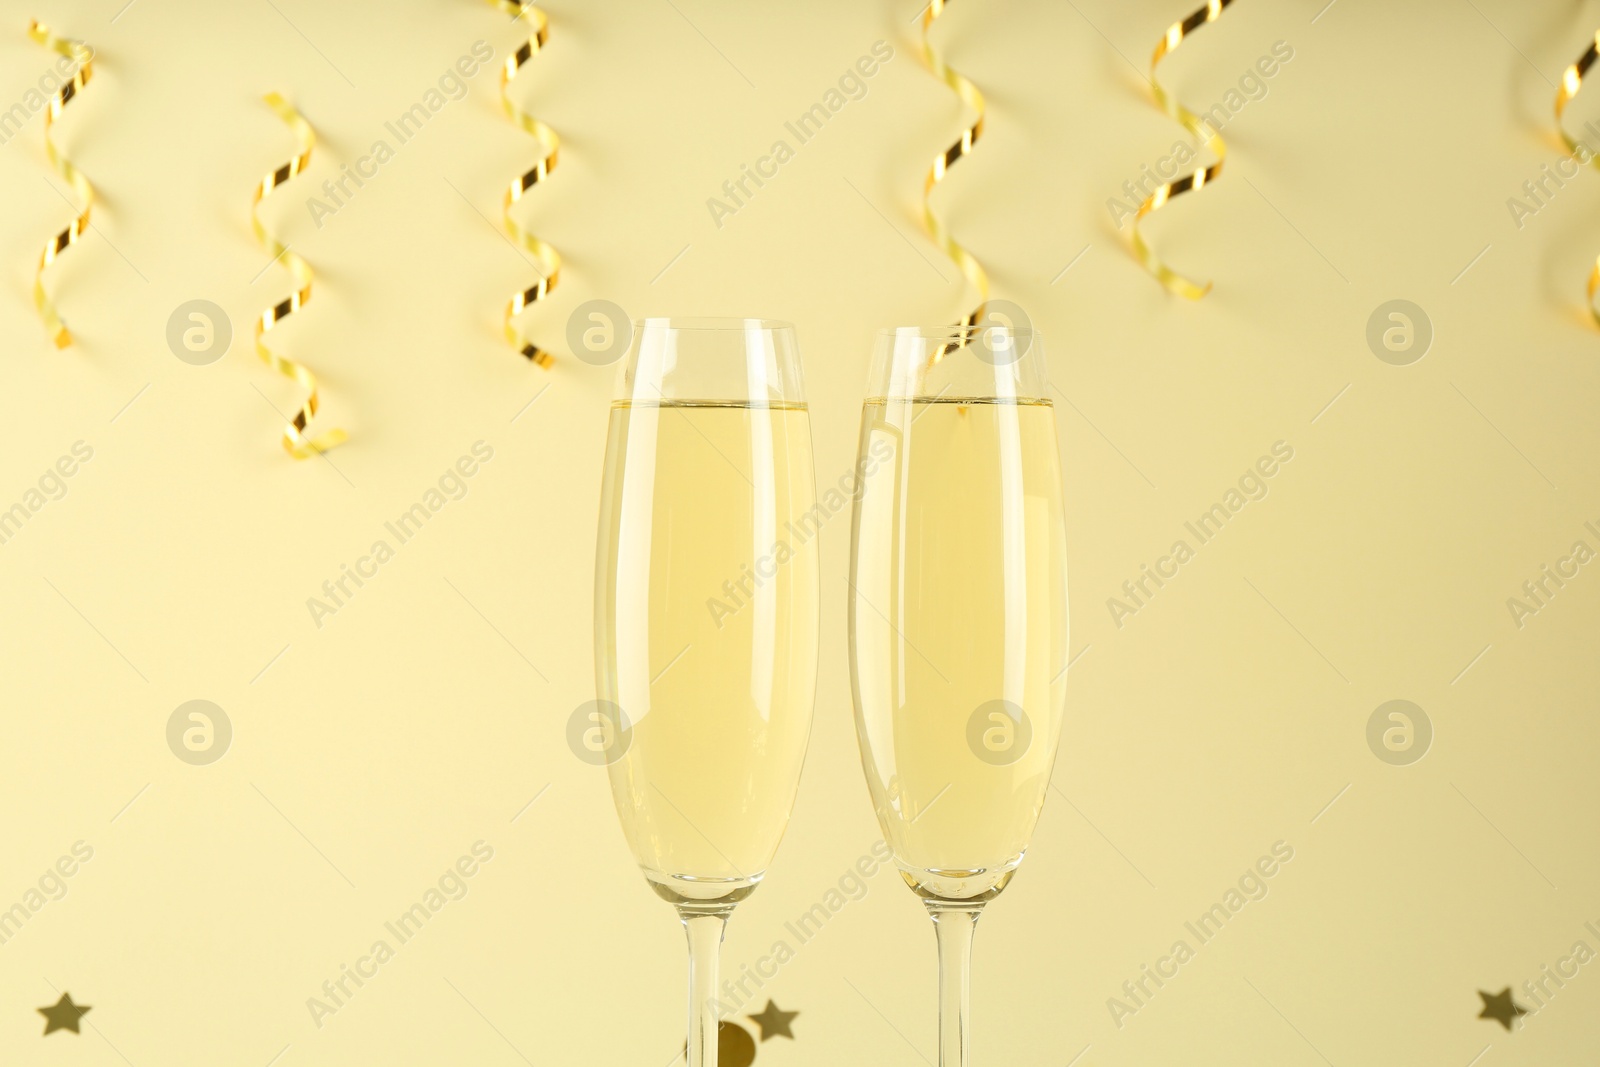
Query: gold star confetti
1500, 1007
774, 1021
63, 1015
735, 1046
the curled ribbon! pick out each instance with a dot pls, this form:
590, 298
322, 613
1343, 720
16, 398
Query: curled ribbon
941, 166
1571, 82
295, 440
82, 55
549, 258
1175, 35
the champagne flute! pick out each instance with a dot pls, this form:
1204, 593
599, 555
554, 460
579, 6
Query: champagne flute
706, 618
958, 621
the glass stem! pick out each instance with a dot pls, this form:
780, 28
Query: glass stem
705, 929
954, 925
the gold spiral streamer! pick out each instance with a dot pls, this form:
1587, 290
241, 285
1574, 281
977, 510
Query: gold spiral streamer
1175, 35
295, 440
83, 56
945, 160
1571, 82
941, 166
549, 258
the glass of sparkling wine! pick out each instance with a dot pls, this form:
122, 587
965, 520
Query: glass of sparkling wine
706, 618
958, 621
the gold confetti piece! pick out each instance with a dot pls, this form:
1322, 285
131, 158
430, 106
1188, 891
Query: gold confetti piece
941, 165
83, 56
549, 258
1175, 35
1571, 82
295, 440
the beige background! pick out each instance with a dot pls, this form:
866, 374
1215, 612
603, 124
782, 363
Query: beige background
370, 753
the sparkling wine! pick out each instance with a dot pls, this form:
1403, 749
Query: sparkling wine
958, 632
706, 624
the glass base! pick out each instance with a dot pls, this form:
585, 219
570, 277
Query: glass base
977, 886
688, 893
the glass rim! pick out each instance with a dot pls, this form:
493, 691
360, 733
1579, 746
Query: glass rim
710, 323
953, 330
